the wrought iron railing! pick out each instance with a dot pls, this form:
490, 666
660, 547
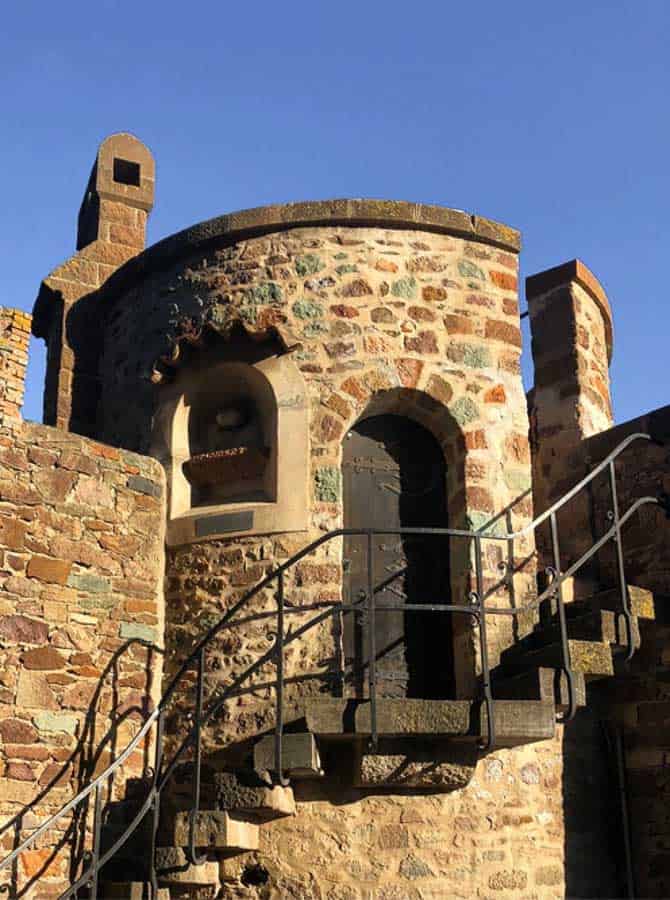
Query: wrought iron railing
475, 608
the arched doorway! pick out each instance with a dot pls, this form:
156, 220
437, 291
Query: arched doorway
394, 476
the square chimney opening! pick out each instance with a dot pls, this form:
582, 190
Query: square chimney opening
126, 172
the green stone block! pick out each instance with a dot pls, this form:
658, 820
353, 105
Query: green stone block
269, 292
94, 584
308, 264
469, 270
307, 309
130, 630
517, 481
404, 287
476, 357
328, 481
465, 411
346, 268
51, 721
341, 256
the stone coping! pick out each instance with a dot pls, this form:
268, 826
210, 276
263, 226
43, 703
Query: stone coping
574, 270
354, 212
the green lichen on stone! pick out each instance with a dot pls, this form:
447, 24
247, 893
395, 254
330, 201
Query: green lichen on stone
307, 309
308, 264
346, 268
51, 721
328, 484
476, 357
464, 411
314, 329
518, 481
341, 256
268, 292
405, 288
469, 270
95, 603
94, 584
130, 630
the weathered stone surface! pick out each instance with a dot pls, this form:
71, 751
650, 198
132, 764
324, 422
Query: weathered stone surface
217, 830
407, 764
23, 630
300, 756
55, 571
56, 721
248, 794
173, 868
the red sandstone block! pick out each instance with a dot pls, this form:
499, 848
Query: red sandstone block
504, 280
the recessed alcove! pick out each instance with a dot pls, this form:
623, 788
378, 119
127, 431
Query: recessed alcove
231, 431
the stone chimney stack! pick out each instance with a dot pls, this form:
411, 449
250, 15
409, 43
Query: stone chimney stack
571, 328
14, 338
111, 230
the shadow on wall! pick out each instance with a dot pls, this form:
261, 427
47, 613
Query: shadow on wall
89, 758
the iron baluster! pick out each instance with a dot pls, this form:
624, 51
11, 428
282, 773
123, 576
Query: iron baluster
195, 808
279, 692
562, 624
483, 645
372, 645
621, 574
156, 805
95, 854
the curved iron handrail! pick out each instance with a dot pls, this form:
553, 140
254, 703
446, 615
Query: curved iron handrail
478, 610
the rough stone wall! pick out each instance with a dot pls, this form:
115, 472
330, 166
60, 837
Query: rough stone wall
81, 569
421, 324
14, 340
641, 701
502, 836
570, 400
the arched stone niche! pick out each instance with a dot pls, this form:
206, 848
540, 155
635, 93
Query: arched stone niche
231, 429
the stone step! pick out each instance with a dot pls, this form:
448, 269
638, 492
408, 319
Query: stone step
173, 868
252, 795
585, 595
130, 890
593, 659
407, 763
539, 684
300, 755
585, 624
217, 830
517, 721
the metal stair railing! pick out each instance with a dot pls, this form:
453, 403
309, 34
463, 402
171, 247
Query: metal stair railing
475, 608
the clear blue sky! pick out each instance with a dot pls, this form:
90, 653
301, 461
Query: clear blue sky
552, 117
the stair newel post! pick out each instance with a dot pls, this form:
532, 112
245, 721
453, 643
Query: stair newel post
372, 644
562, 623
156, 804
279, 691
195, 806
621, 574
484, 647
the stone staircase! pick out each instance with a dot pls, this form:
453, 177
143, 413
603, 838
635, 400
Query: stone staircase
421, 743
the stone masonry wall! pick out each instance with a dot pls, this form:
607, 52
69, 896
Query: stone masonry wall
386, 320
81, 568
642, 700
533, 824
14, 340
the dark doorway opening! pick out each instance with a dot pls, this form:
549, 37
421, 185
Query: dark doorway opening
394, 476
